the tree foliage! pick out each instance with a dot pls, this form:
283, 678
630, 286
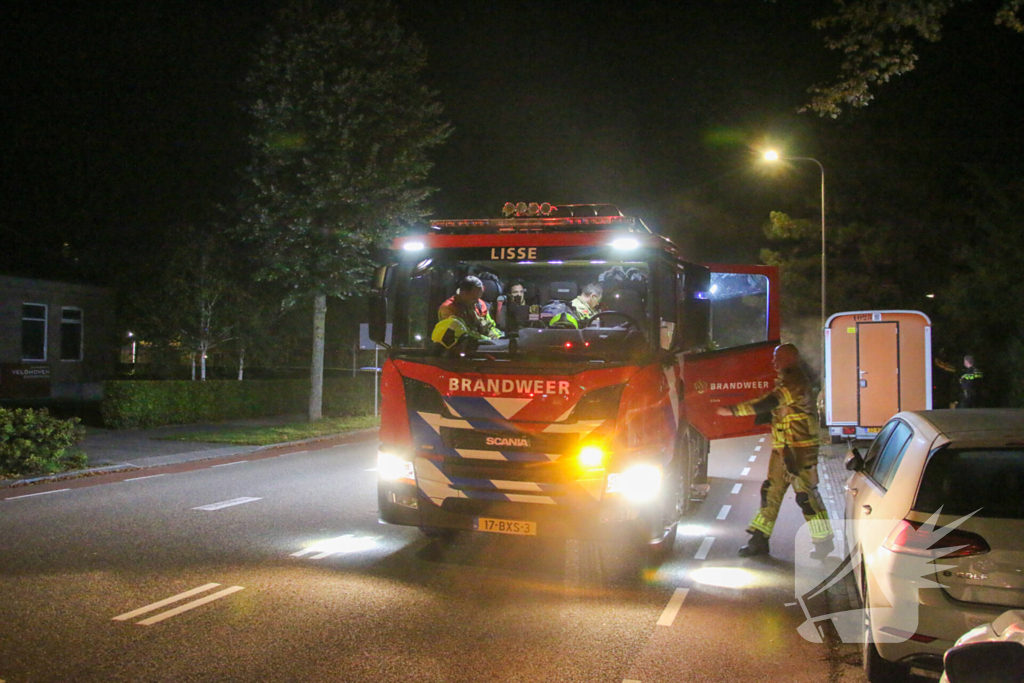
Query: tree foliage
341, 131
880, 40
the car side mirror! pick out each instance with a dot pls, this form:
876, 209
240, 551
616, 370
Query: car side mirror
1001, 660
854, 462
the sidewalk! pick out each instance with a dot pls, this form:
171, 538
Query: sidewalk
115, 449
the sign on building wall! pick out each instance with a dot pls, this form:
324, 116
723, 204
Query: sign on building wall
24, 380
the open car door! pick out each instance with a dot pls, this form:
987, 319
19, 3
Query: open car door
744, 331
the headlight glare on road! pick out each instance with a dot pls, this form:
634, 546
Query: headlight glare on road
390, 467
639, 483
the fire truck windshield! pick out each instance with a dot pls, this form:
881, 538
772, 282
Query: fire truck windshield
556, 310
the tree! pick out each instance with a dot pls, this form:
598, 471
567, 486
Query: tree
199, 294
341, 130
880, 39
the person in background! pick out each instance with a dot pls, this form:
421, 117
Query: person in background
970, 384
794, 457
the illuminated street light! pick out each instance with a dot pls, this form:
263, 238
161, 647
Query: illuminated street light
772, 155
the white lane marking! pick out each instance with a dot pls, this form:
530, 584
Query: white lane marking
292, 453
672, 608
168, 601
724, 512
761, 440
44, 493
752, 458
150, 476
745, 472
736, 488
824, 476
705, 548
190, 605
229, 464
372, 469
757, 449
226, 503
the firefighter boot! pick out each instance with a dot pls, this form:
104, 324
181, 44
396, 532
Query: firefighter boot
822, 549
757, 545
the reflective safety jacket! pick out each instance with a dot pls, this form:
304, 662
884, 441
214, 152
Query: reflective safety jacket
478, 319
970, 381
792, 407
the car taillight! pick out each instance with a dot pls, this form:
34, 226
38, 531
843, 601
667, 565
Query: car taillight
915, 538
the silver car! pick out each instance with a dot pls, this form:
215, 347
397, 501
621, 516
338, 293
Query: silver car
936, 510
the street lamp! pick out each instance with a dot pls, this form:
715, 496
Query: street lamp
772, 155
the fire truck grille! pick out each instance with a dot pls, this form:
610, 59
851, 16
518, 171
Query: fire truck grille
469, 439
536, 472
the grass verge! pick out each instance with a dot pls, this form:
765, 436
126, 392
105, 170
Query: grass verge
265, 436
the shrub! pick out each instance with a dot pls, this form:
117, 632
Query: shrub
33, 442
133, 404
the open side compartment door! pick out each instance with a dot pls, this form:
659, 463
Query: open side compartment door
745, 325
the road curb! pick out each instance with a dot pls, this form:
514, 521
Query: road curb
340, 439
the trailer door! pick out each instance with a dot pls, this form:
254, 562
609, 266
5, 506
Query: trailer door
737, 366
878, 372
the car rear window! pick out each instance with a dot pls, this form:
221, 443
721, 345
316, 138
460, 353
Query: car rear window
962, 481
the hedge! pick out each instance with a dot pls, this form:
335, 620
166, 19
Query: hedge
33, 442
130, 404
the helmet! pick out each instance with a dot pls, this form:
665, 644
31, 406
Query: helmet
449, 332
786, 356
564, 321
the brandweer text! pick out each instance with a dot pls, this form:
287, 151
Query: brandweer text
509, 386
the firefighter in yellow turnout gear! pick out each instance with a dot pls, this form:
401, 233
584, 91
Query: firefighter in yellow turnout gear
794, 458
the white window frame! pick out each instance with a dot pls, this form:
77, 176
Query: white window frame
46, 331
81, 333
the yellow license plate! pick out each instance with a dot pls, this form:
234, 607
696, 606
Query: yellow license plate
874, 430
506, 526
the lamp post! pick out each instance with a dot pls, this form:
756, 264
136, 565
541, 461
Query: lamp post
774, 156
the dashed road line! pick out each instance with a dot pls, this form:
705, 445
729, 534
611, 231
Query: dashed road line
705, 548
745, 472
736, 488
724, 512
226, 503
229, 464
757, 449
668, 616
157, 605
372, 469
42, 493
149, 476
752, 458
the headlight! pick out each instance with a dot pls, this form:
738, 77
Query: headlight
390, 467
591, 456
639, 483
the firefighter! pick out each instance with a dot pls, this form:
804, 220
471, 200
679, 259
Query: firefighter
469, 310
970, 384
586, 304
794, 458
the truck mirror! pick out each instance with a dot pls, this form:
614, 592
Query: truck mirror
378, 305
985, 661
854, 461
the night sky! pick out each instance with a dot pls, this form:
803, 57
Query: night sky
121, 124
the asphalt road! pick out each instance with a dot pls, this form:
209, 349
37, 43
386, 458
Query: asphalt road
287, 576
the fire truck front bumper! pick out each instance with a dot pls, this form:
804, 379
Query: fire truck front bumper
610, 519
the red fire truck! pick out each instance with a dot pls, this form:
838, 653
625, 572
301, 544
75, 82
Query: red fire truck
595, 429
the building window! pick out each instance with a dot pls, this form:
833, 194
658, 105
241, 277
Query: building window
33, 332
71, 334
